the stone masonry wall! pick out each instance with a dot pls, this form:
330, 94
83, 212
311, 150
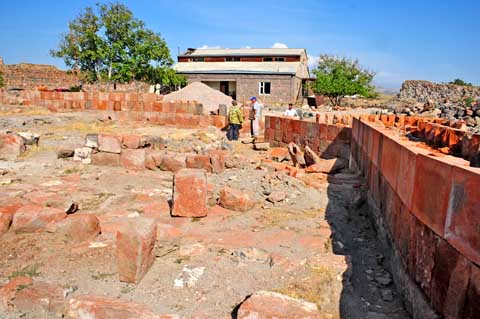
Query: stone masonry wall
31, 76
424, 90
427, 207
283, 87
328, 139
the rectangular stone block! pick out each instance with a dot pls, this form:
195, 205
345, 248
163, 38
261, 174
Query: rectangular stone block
390, 160
190, 193
133, 158
109, 143
463, 216
433, 180
135, 242
106, 159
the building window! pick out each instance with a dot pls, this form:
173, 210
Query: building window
232, 59
267, 59
264, 88
280, 59
197, 59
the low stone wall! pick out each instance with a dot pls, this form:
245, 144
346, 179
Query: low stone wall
144, 152
426, 207
329, 140
424, 90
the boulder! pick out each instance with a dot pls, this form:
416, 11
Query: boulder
267, 304
199, 161
135, 243
235, 199
190, 193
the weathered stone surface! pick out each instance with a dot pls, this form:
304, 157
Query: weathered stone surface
173, 162
91, 140
11, 146
109, 143
5, 222
131, 141
236, 199
133, 158
22, 294
279, 154
65, 153
83, 154
135, 243
326, 166
30, 218
199, 161
190, 193
99, 307
267, 305
106, 159
76, 227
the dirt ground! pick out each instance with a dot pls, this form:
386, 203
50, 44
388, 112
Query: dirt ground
318, 244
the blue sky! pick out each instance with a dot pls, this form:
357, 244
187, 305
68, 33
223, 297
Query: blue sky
400, 40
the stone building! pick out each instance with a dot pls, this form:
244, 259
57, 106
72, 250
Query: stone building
273, 75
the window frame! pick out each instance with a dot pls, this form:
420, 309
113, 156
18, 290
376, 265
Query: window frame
280, 59
262, 86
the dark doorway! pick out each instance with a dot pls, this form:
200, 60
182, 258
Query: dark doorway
224, 87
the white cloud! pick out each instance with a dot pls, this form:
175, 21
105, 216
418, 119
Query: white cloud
313, 61
209, 47
247, 47
279, 45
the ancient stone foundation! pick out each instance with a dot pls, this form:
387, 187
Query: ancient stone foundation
426, 207
437, 92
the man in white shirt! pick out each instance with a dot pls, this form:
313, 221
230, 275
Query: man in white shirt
290, 111
256, 116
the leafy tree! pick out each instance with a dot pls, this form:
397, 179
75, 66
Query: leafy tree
460, 82
108, 43
338, 77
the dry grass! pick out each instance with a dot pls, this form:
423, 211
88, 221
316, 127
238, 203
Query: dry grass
281, 217
33, 150
316, 288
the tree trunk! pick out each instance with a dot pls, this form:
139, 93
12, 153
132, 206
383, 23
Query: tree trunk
109, 76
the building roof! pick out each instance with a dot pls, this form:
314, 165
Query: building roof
292, 68
242, 52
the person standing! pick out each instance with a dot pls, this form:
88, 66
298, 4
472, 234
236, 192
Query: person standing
235, 120
255, 116
290, 111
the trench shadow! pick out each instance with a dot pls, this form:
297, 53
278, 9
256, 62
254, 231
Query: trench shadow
354, 236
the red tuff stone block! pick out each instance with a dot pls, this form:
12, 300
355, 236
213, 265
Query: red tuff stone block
133, 159
236, 199
135, 242
433, 180
31, 218
11, 146
106, 159
267, 304
406, 175
5, 222
109, 143
426, 243
22, 294
173, 162
471, 309
376, 143
132, 141
391, 151
76, 227
99, 307
332, 132
190, 193
463, 224
199, 161
449, 281
157, 106
217, 158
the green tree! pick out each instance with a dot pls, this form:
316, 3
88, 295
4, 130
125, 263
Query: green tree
460, 82
339, 77
2, 81
108, 43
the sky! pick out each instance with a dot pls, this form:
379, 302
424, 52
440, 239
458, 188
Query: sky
399, 40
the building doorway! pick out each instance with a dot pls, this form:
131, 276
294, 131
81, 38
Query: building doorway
224, 87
